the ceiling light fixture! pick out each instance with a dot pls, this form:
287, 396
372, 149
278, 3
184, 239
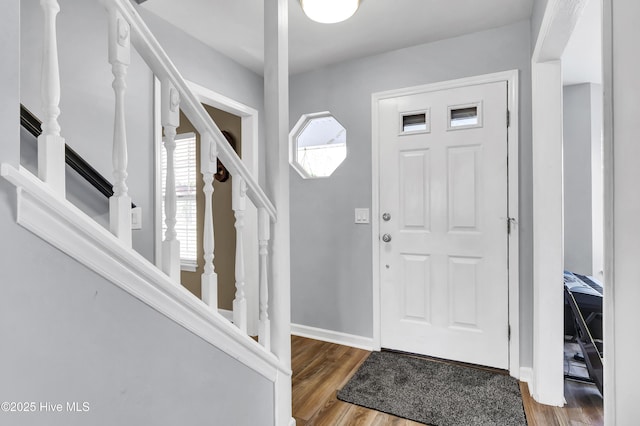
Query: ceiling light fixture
329, 11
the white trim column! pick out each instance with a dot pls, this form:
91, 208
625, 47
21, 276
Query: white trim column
558, 22
548, 264
609, 318
276, 99
622, 209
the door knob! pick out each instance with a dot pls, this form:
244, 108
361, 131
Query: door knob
386, 238
386, 217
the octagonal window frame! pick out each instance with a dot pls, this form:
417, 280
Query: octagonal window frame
298, 129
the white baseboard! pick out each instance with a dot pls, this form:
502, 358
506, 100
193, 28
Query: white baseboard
526, 375
333, 336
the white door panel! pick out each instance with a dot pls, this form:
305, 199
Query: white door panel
444, 286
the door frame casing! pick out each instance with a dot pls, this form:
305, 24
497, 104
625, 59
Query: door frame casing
511, 77
559, 20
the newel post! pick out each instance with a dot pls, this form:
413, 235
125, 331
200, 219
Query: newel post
119, 58
51, 161
170, 101
208, 167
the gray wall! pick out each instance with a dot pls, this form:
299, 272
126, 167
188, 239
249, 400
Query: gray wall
69, 335
87, 101
582, 117
331, 276
79, 192
9, 80
202, 65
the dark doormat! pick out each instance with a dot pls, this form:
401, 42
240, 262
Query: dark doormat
435, 393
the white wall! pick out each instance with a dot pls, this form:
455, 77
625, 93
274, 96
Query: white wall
331, 275
622, 297
582, 158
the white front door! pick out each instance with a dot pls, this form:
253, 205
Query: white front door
443, 230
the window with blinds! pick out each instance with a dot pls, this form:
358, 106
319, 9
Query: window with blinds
185, 169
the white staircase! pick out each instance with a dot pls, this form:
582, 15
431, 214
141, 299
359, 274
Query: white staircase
43, 209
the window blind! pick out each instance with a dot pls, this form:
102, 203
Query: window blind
185, 170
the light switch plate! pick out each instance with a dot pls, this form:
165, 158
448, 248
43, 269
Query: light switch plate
362, 216
136, 218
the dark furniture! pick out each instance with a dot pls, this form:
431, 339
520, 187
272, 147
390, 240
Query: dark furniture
584, 322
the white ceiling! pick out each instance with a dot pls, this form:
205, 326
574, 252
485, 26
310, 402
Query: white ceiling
235, 27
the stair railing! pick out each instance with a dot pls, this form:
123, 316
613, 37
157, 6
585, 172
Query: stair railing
50, 143
33, 125
126, 27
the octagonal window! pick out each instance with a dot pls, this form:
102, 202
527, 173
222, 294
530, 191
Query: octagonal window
318, 145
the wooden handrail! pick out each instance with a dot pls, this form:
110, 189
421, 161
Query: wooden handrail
33, 125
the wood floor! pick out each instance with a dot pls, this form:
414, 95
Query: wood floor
320, 369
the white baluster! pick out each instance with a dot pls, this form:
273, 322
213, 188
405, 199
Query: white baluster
239, 205
170, 101
119, 57
264, 329
51, 162
208, 167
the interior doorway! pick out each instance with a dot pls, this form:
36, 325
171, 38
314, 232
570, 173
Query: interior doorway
550, 253
584, 201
